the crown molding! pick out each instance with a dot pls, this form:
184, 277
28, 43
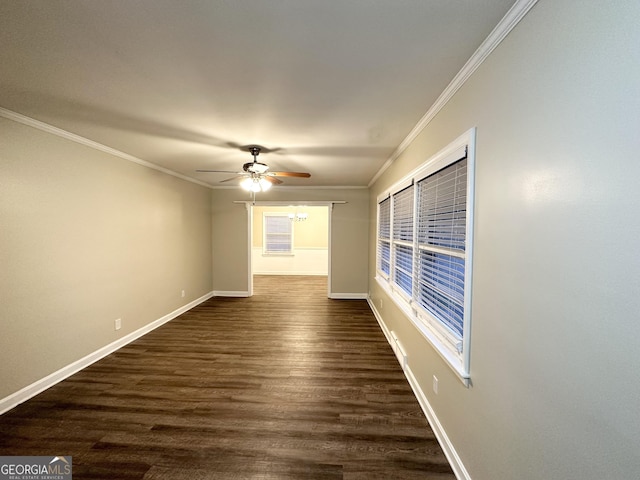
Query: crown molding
508, 23
45, 127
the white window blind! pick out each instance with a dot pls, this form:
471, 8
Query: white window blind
402, 267
442, 218
384, 236
278, 234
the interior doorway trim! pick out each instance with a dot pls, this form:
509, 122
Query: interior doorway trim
293, 203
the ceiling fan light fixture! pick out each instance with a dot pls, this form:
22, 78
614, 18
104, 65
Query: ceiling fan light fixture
255, 184
265, 184
247, 183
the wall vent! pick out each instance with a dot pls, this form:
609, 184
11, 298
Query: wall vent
398, 349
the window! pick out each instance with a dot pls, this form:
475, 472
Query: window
403, 239
442, 218
384, 237
424, 249
277, 234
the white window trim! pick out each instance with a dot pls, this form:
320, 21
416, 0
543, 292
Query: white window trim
397, 242
456, 356
266, 253
380, 272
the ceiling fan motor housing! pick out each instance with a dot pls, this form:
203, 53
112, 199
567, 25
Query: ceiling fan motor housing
255, 167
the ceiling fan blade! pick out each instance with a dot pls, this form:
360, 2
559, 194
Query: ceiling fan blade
217, 171
230, 179
290, 174
273, 180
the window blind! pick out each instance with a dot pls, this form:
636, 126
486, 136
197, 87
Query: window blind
403, 215
442, 207
403, 202
277, 234
442, 214
384, 236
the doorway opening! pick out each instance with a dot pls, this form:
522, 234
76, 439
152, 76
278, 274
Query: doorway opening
290, 240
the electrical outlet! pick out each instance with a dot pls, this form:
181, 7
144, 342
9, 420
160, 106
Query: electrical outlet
435, 384
381, 304
182, 293
118, 323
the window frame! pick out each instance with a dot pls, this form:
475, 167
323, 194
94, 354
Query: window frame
265, 234
454, 350
386, 240
400, 244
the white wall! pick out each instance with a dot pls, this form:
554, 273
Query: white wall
303, 261
86, 238
554, 341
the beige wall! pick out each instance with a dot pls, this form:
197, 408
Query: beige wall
554, 340
349, 236
86, 238
311, 233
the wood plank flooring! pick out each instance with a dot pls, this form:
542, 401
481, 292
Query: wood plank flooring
284, 385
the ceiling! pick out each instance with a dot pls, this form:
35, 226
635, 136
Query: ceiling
328, 87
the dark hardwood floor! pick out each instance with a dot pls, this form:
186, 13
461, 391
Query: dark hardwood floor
284, 385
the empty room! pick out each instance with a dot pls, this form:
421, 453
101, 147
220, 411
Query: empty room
304, 239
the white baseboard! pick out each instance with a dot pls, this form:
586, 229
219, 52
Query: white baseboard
450, 452
348, 296
223, 293
41, 385
383, 326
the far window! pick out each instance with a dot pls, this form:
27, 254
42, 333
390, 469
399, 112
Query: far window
384, 237
278, 234
403, 239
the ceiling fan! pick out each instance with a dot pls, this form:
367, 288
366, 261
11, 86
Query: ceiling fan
256, 176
